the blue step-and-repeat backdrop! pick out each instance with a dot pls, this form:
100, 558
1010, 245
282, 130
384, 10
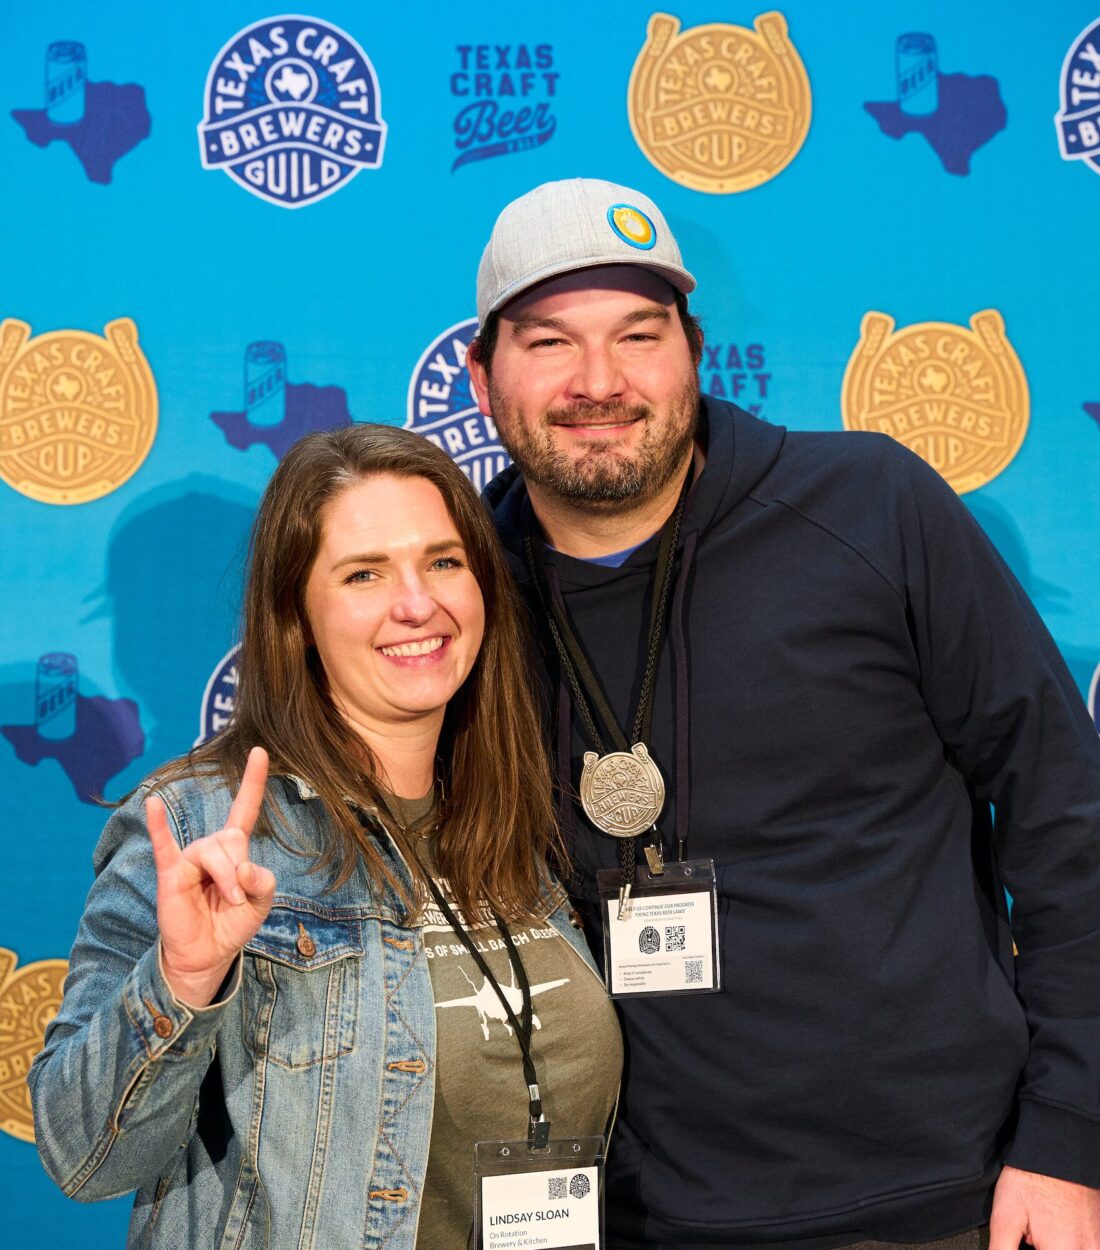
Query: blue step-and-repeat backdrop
223, 227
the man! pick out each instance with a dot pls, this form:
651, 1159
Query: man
845, 679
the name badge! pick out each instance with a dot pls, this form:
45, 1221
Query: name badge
666, 939
540, 1199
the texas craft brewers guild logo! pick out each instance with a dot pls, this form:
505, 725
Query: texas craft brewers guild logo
1078, 120
293, 110
219, 699
78, 412
956, 397
29, 1000
442, 407
719, 108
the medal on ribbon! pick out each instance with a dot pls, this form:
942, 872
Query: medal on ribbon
622, 792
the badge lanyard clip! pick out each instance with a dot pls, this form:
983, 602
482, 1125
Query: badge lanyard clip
654, 856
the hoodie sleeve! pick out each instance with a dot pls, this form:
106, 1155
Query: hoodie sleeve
1015, 725
115, 1088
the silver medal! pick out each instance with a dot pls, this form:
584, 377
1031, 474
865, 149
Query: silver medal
622, 793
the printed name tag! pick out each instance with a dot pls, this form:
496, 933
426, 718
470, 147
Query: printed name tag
666, 941
540, 1200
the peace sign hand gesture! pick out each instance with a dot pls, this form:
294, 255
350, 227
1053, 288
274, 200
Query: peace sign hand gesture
211, 899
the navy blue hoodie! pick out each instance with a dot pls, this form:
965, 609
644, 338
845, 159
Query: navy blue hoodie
865, 684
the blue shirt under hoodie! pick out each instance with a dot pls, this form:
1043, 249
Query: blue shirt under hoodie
883, 738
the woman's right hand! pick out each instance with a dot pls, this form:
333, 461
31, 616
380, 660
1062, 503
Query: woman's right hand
211, 899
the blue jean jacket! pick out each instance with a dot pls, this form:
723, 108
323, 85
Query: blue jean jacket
296, 1110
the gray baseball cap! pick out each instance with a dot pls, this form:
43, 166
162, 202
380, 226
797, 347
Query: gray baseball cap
574, 224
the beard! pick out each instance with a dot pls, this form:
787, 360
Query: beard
605, 473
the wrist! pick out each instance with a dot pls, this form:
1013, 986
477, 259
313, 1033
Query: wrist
194, 988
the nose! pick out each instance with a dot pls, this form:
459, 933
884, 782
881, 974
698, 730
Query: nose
412, 602
598, 377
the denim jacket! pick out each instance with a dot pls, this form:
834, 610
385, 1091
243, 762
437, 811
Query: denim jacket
293, 1112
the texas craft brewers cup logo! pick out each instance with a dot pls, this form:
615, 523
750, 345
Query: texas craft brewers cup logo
442, 407
78, 412
29, 999
1078, 120
719, 108
293, 110
956, 397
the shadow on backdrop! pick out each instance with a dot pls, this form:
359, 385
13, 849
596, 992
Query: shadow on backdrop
172, 590
1003, 534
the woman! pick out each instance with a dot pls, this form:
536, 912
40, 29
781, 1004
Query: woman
267, 1031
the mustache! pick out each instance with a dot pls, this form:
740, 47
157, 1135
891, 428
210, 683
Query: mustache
615, 413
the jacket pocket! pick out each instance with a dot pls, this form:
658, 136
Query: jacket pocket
301, 986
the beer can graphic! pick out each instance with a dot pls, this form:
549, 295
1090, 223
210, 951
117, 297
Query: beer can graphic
916, 69
66, 74
55, 683
265, 383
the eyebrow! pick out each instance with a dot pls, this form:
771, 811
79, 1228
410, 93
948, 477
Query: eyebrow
655, 312
380, 557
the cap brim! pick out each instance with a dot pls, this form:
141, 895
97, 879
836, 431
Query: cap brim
678, 278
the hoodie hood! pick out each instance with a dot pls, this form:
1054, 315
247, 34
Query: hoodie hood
740, 450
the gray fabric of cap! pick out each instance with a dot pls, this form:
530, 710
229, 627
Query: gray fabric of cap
574, 224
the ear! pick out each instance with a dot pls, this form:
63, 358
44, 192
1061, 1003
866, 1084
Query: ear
479, 377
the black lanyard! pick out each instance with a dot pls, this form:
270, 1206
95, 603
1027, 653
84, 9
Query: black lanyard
538, 1126
583, 682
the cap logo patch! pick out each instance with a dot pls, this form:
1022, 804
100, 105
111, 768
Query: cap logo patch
632, 226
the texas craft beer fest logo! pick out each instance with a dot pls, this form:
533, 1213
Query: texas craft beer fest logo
78, 412
719, 108
1078, 120
508, 93
29, 999
956, 397
293, 110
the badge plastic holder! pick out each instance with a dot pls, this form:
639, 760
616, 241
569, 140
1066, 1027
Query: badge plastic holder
550, 1197
666, 940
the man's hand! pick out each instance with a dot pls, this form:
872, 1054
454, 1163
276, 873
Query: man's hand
1049, 1213
211, 899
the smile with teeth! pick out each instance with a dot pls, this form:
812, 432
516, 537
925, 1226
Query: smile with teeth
425, 646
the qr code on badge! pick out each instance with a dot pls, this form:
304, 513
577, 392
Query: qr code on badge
557, 1188
674, 937
693, 971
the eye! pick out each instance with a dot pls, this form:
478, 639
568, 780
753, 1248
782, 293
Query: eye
360, 576
448, 562
536, 343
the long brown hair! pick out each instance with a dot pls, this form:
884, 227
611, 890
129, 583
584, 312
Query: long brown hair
496, 814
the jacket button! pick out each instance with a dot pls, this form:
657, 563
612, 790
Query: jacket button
307, 947
162, 1026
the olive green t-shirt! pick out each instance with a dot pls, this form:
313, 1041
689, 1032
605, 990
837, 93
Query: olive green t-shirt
480, 1092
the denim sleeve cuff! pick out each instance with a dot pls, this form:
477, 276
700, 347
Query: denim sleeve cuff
162, 1021
1056, 1141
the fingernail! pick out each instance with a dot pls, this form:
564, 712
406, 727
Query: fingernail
238, 895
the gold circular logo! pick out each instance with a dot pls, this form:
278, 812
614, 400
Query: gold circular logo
29, 1000
78, 412
956, 397
719, 108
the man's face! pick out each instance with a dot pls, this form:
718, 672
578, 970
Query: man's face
593, 387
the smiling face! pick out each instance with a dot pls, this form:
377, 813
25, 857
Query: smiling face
593, 387
392, 606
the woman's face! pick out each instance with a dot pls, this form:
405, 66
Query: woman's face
393, 609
